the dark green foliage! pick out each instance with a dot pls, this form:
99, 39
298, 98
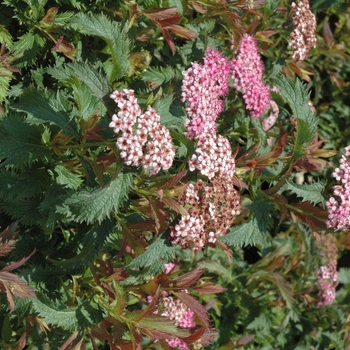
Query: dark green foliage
22, 144
100, 230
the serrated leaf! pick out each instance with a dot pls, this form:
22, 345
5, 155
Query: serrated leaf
311, 192
69, 318
113, 34
27, 48
283, 286
21, 144
167, 119
16, 186
93, 205
261, 210
159, 327
157, 254
44, 110
91, 244
195, 306
66, 178
158, 75
297, 96
243, 235
95, 79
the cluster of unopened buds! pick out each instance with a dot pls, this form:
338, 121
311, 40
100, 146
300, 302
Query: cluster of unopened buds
304, 33
143, 140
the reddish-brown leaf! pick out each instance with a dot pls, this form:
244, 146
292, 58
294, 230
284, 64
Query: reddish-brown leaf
159, 214
8, 239
314, 216
168, 39
80, 345
174, 205
69, 342
198, 7
17, 264
173, 180
327, 34
195, 306
242, 342
18, 287
209, 288
136, 337
186, 280
197, 334
182, 32
158, 14
22, 342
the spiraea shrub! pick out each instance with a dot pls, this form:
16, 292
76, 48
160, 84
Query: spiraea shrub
174, 174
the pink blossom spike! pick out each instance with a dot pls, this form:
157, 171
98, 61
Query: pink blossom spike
339, 205
304, 33
247, 72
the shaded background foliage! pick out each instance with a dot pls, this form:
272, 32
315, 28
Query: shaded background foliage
98, 228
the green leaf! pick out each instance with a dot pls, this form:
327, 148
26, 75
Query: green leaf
311, 192
21, 144
243, 235
44, 110
95, 79
344, 275
4, 82
167, 119
158, 75
27, 48
113, 34
66, 178
160, 252
261, 210
92, 205
91, 244
297, 96
69, 318
16, 186
25, 211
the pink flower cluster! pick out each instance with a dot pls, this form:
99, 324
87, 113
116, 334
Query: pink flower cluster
248, 71
327, 281
304, 33
213, 157
177, 311
143, 141
213, 208
270, 121
202, 87
327, 274
339, 206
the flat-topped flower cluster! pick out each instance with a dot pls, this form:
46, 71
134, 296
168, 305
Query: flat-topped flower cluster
143, 141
